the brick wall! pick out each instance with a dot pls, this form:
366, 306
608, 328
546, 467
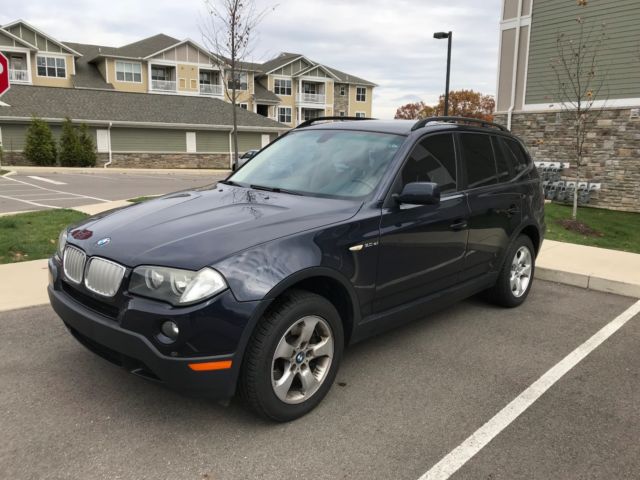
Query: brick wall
612, 152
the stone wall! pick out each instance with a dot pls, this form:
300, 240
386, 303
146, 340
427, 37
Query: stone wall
340, 102
612, 152
143, 160
169, 160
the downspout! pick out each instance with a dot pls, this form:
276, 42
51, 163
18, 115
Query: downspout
516, 55
109, 139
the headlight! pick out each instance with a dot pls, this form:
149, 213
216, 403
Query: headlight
178, 287
62, 242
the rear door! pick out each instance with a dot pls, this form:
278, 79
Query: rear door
422, 246
495, 202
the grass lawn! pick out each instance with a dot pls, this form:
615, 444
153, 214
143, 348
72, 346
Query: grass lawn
33, 235
141, 199
615, 230
2, 172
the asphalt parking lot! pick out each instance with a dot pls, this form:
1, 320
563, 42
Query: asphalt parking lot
403, 401
29, 190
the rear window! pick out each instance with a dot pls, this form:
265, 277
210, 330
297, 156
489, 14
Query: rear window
504, 165
477, 155
515, 154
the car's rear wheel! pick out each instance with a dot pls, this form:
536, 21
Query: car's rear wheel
292, 357
516, 277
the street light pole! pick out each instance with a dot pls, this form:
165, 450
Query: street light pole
449, 36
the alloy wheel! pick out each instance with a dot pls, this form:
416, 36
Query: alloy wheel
521, 267
302, 359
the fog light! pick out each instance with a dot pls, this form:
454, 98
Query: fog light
170, 329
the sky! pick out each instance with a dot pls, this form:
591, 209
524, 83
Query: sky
388, 42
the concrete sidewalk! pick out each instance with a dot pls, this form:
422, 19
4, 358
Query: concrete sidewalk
24, 284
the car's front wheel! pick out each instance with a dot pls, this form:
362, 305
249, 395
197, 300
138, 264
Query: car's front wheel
516, 277
293, 356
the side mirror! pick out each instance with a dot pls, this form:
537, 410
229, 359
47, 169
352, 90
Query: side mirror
419, 193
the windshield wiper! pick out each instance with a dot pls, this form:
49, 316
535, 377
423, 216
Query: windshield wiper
229, 182
274, 189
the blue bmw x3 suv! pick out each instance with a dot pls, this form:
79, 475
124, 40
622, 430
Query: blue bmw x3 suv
338, 230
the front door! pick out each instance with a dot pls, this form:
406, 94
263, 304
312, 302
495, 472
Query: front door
422, 247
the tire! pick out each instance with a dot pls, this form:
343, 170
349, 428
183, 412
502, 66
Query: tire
279, 368
510, 292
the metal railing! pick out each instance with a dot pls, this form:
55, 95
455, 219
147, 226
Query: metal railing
210, 89
311, 98
18, 75
163, 85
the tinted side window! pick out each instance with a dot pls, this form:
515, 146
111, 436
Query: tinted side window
433, 160
515, 154
477, 156
504, 164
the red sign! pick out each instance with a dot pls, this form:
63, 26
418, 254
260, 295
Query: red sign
4, 74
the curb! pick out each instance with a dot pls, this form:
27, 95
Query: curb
588, 282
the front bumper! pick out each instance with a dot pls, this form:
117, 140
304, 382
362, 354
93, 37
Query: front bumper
140, 353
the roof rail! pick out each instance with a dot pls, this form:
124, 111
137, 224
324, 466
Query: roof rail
310, 122
483, 123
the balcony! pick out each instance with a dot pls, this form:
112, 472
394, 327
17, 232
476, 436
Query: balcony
163, 85
210, 89
18, 75
311, 98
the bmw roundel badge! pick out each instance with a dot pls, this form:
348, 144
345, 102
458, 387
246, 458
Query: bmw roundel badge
103, 241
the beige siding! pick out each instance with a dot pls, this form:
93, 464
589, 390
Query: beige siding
51, 81
127, 86
212, 142
148, 140
355, 106
34, 38
187, 78
293, 68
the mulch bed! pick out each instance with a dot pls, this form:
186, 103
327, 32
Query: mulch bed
579, 227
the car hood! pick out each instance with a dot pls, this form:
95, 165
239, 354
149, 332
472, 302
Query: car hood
197, 228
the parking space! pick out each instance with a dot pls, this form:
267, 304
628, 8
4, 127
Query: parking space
38, 191
402, 401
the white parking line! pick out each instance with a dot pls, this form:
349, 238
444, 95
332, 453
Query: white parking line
57, 191
48, 180
29, 202
455, 459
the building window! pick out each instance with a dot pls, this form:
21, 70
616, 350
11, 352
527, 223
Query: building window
244, 106
282, 87
343, 90
240, 81
342, 113
284, 114
361, 94
360, 115
128, 72
160, 73
51, 67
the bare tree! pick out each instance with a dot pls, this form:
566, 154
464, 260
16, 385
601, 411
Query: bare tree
228, 32
580, 82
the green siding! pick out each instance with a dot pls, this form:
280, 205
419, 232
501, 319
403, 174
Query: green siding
249, 141
618, 58
148, 140
317, 72
14, 135
212, 142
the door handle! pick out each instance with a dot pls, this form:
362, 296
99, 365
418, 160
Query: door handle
458, 225
513, 209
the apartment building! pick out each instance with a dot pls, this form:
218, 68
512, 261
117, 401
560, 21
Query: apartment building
527, 90
51, 79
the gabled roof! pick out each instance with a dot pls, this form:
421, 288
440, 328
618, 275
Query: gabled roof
321, 67
147, 46
41, 33
87, 74
282, 60
179, 111
352, 79
17, 39
261, 94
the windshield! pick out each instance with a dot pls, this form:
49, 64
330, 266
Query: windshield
332, 163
